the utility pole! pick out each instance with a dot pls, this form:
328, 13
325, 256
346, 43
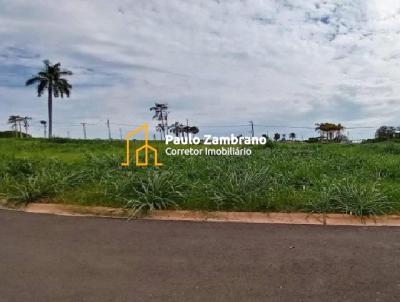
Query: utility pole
187, 128
109, 131
252, 128
84, 129
120, 133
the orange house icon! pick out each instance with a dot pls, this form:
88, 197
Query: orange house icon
145, 149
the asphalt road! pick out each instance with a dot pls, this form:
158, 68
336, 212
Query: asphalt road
53, 258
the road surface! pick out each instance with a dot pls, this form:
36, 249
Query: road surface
54, 258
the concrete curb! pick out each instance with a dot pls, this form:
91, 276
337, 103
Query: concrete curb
244, 217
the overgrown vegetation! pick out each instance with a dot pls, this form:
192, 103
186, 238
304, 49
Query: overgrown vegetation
358, 179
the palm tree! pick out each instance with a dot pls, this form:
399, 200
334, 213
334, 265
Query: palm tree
176, 128
161, 114
179, 129
44, 123
26, 120
292, 135
185, 130
14, 120
51, 79
331, 130
277, 136
160, 128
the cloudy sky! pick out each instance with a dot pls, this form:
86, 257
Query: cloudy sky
216, 62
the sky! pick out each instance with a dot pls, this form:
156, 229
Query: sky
217, 63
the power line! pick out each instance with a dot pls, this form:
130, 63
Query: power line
101, 121
223, 126
284, 126
369, 127
122, 124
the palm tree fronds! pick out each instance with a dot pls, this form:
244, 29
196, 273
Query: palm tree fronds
41, 87
33, 80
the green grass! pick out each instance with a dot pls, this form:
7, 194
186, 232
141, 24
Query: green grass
359, 179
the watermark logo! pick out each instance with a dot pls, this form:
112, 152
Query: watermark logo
145, 149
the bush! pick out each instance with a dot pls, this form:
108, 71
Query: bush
10, 134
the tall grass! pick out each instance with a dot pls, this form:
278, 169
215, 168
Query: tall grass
349, 197
357, 179
157, 190
26, 181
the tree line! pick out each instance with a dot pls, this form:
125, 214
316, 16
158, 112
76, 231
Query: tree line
177, 128
387, 132
17, 123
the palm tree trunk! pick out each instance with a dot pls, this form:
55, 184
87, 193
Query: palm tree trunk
50, 108
20, 129
166, 123
15, 129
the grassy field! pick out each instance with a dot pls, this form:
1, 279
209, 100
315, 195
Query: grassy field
359, 179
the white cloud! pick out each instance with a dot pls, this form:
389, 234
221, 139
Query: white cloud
275, 62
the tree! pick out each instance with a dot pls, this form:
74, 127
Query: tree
194, 130
160, 128
292, 135
277, 136
330, 131
161, 115
14, 120
176, 128
44, 123
26, 120
385, 132
179, 129
341, 138
50, 78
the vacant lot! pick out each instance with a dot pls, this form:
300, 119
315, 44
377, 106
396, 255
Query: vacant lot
360, 179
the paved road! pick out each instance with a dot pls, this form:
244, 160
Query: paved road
53, 258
